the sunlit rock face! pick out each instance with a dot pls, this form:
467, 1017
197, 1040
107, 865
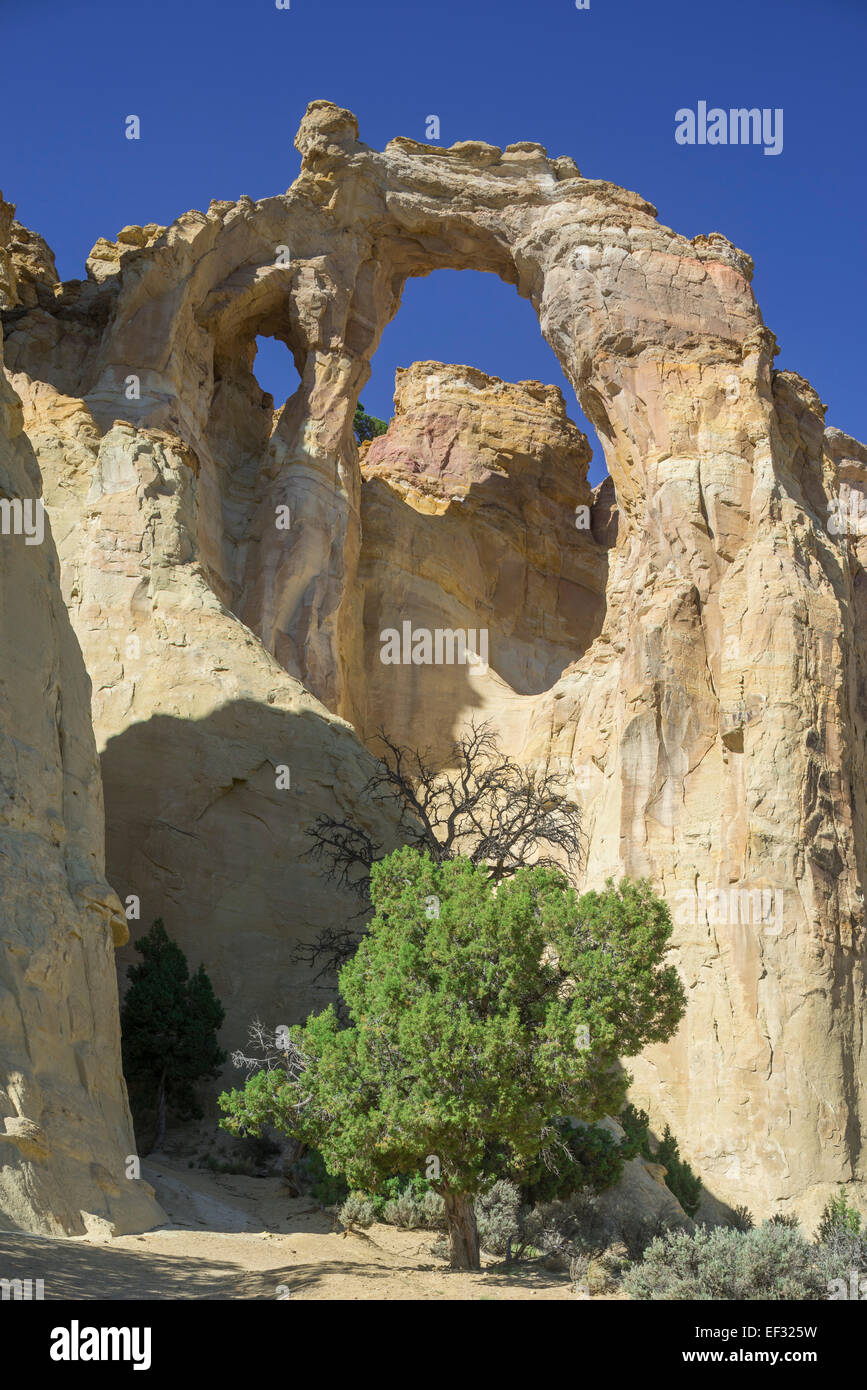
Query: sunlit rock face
693, 662
65, 1129
476, 519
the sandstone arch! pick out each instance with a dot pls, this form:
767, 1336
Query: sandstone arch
634, 313
719, 715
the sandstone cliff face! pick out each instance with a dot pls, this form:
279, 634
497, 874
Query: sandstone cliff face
215, 762
469, 508
699, 797
65, 1129
711, 712
720, 753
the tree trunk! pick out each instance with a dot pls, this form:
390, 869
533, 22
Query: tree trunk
161, 1113
463, 1233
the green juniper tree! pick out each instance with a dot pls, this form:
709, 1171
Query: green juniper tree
169, 1021
367, 426
477, 1013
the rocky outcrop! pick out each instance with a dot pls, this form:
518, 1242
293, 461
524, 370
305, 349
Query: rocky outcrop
710, 714
65, 1129
215, 762
638, 1204
476, 516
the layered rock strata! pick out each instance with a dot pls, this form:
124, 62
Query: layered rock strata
476, 519
65, 1129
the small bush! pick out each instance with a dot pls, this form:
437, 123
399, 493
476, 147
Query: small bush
679, 1177
771, 1262
638, 1232
325, 1188
410, 1202
579, 1272
782, 1218
240, 1167
636, 1124
742, 1219
562, 1230
838, 1216
401, 1185
498, 1216
403, 1200
843, 1251
433, 1212
357, 1210
415, 1212
587, 1156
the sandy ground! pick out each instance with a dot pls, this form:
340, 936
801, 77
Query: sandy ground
239, 1237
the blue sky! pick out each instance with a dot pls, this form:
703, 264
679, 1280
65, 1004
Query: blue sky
220, 86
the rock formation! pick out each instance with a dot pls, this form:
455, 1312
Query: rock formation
476, 515
215, 761
65, 1129
693, 661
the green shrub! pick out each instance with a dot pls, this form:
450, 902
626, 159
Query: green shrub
587, 1156
401, 1200
357, 1210
406, 1201
782, 1218
842, 1252
326, 1188
433, 1211
415, 1211
412, 1187
169, 1023
636, 1126
771, 1262
498, 1216
742, 1219
679, 1177
838, 1215
563, 1229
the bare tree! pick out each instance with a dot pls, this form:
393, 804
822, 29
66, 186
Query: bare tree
481, 805
274, 1051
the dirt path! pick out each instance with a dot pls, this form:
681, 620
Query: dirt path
238, 1237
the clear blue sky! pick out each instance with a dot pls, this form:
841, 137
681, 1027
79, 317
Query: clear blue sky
220, 86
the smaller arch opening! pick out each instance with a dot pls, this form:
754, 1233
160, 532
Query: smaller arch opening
275, 370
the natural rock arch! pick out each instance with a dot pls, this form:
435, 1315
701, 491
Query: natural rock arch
718, 719
636, 315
